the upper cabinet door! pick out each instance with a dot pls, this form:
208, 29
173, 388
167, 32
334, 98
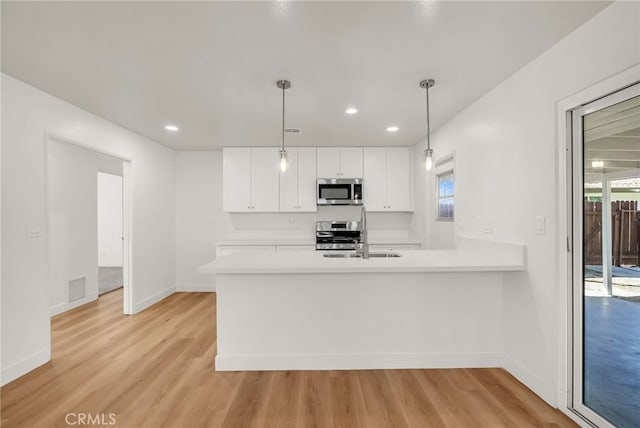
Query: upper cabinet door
351, 162
399, 179
265, 186
289, 183
375, 178
328, 162
236, 179
307, 180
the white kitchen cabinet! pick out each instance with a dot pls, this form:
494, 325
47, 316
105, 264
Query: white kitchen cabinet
236, 179
393, 247
295, 247
298, 183
340, 162
388, 179
265, 163
250, 181
225, 250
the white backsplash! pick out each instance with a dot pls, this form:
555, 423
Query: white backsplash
302, 225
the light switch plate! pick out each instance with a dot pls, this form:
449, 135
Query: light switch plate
33, 230
487, 226
540, 225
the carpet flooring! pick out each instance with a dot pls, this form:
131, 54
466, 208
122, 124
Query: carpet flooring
109, 279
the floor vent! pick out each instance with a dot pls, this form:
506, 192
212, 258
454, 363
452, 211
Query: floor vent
77, 288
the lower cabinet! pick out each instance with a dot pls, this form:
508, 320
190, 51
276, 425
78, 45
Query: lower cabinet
392, 247
295, 247
225, 250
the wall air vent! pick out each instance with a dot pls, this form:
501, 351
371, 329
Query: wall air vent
77, 288
293, 130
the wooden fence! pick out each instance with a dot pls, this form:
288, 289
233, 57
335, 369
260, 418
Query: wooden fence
625, 233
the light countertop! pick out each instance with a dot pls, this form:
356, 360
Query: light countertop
491, 256
309, 241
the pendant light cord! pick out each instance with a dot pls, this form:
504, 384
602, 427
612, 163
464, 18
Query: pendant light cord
428, 121
283, 89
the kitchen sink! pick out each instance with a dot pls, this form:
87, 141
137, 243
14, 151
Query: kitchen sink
354, 255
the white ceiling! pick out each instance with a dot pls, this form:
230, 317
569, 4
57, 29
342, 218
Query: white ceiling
612, 136
211, 67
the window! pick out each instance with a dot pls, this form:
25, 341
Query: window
445, 196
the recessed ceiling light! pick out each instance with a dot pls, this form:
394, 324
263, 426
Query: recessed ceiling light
392, 129
171, 127
351, 110
597, 164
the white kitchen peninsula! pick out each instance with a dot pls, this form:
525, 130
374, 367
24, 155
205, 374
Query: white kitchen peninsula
300, 310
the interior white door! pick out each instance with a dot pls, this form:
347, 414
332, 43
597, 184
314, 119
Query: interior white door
399, 179
328, 162
307, 179
375, 178
351, 162
265, 186
236, 179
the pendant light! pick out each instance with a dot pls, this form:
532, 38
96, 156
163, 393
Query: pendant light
428, 153
283, 84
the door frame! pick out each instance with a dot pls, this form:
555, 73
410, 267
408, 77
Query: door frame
565, 238
127, 214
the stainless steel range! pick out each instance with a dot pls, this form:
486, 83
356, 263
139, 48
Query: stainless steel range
338, 235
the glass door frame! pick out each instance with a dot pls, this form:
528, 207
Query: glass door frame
575, 185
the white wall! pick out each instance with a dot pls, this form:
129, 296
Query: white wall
73, 222
109, 220
27, 114
200, 221
506, 176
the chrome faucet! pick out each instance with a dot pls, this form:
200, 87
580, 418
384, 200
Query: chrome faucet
362, 249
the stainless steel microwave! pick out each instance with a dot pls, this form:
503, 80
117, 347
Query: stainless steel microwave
339, 191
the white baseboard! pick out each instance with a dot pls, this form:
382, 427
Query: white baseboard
114, 264
196, 288
25, 365
356, 361
151, 300
540, 386
64, 307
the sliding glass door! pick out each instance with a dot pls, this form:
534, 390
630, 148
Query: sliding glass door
606, 274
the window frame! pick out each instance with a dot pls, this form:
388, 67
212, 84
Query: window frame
439, 176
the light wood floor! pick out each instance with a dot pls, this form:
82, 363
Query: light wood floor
155, 369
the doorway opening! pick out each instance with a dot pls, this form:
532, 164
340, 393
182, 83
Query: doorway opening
605, 183
89, 222
110, 247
